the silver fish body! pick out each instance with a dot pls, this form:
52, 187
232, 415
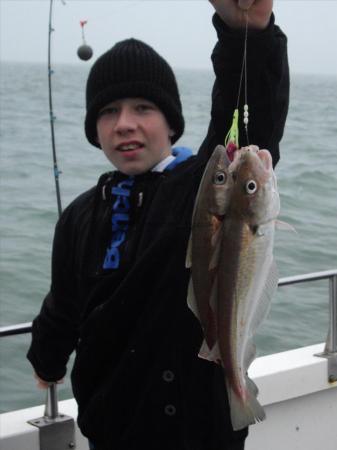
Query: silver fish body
210, 206
244, 276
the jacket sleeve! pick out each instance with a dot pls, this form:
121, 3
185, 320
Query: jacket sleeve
267, 87
54, 333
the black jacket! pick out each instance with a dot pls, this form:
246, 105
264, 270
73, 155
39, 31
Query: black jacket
137, 378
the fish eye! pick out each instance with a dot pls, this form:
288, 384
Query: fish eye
219, 177
251, 187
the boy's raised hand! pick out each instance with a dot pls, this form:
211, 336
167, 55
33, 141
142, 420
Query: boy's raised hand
232, 12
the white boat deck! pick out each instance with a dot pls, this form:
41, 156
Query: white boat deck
300, 404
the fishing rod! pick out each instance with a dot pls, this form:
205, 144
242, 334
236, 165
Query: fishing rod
84, 53
52, 118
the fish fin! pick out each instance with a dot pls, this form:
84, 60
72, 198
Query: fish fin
284, 226
188, 261
191, 300
213, 263
251, 386
213, 298
210, 332
210, 325
245, 412
216, 227
204, 351
250, 354
210, 354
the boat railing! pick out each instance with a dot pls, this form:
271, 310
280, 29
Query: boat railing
54, 426
330, 351
331, 275
19, 328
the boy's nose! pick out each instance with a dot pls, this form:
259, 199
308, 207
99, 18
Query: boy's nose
125, 121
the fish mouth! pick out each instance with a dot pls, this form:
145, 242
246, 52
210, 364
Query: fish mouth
251, 153
231, 149
266, 159
263, 154
233, 152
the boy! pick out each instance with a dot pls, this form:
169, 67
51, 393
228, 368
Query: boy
119, 282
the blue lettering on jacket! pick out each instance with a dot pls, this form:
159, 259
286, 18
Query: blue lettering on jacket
119, 222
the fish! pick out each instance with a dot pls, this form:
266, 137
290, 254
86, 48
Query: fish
240, 270
209, 209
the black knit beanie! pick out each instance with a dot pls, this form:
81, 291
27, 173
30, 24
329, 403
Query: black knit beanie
132, 68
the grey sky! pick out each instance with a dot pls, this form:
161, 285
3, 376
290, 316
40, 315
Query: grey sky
180, 30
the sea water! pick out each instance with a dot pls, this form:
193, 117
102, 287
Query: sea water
307, 179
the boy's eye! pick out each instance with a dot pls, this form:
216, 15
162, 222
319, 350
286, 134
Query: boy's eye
107, 111
142, 107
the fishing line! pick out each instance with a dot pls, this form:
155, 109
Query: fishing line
245, 106
243, 77
232, 137
84, 52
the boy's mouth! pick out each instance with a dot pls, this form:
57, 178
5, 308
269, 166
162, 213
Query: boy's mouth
129, 146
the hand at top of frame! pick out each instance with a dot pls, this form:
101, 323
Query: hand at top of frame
233, 12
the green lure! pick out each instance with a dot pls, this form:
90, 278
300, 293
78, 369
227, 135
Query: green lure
232, 138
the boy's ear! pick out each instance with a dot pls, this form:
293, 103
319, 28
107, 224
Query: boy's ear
171, 133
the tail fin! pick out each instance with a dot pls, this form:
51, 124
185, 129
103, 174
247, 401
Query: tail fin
211, 354
245, 412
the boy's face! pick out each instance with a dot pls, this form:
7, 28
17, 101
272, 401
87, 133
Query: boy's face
133, 134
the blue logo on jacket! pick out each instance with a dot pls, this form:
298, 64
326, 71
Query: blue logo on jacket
120, 222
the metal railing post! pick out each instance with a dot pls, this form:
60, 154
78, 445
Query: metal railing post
330, 351
332, 341
56, 431
51, 409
